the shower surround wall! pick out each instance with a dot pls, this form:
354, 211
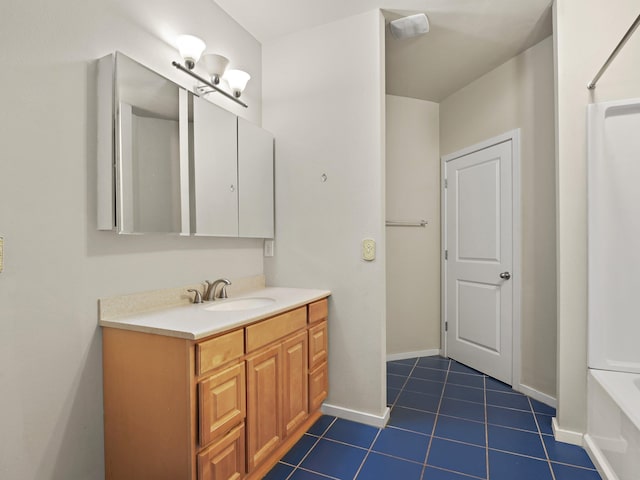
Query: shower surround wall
586, 32
613, 384
56, 264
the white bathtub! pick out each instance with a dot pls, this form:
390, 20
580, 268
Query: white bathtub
613, 423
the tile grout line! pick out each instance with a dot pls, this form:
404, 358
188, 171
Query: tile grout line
320, 437
435, 421
404, 383
544, 446
367, 454
486, 427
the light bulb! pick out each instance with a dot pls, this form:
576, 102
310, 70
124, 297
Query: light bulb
190, 49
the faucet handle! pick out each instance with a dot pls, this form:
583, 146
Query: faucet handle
197, 297
223, 291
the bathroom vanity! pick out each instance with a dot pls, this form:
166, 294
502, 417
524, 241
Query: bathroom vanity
215, 391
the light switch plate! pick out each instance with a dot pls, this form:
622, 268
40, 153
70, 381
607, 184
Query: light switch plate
268, 248
368, 249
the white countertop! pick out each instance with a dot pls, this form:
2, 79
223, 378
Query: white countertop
194, 322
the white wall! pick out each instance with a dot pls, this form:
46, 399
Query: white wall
413, 254
586, 33
56, 264
324, 102
519, 94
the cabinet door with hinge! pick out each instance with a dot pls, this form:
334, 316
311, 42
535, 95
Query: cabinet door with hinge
264, 404
215, 171
295, 408
222, 399
224, 460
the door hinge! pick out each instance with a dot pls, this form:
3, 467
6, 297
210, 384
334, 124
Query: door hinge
446, 254
446, 326
446, 183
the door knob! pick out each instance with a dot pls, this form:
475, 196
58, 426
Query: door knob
505, 275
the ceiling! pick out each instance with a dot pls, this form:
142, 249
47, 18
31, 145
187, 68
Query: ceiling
467, 38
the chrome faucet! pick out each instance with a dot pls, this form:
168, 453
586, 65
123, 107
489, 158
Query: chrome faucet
197, 298
210, 293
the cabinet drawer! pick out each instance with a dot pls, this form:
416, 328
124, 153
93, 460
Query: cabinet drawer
272, 329
317, 345
225, 459
210, 354
318, 386
222, 399
318, 310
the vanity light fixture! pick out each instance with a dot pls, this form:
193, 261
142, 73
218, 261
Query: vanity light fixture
191, 49
237, 80
215, 66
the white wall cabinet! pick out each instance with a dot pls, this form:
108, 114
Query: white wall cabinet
211, 174
215, 170
232, 175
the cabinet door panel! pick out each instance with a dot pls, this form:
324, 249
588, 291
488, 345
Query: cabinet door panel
215, 170
264, 389
222, 400
224, 460
295, 406
318, 387
318, 345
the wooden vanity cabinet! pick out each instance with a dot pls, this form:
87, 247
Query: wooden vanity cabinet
264, 385
295, 383
318, 354
226, 407
225, 459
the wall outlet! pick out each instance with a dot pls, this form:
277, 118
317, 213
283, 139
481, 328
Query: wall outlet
268, 248
368, 249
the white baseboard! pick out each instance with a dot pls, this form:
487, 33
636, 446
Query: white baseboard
537, 395
566, 436
357, 416
420, 353
602, 465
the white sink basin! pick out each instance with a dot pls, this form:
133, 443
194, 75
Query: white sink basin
240, 304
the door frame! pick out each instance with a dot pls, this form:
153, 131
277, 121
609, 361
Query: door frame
514, 137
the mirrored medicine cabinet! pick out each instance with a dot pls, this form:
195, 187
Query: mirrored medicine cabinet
172, 162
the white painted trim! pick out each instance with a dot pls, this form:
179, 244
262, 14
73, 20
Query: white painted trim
105, 190
516, 246
443, 263
537, 395
566, 436
514, 137
599, 460
357, 416
405, 355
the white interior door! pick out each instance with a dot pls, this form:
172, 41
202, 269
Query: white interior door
479, 242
